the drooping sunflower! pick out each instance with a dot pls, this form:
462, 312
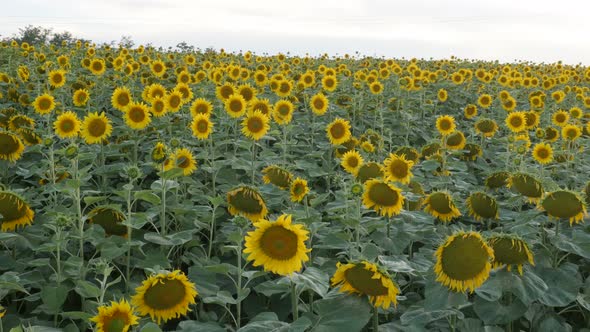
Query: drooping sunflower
282, 112
430, 150
67, 125
44, 104
486, 127
543, 153
571, 132
471, 152
564, 204
365, 278
516, 121
235, 105
398, 168
560, 118
110, 219
96, 128
551, 134
352, 161
14, 212
384, 198
201, 126
440, 205
201, 106
455, 141
255, 125
368, 171
319, 104
11, 146
20, 121
482, 206
80, 97
57, 78
445, 124
463, 261
278, 176
279, 246
298, 189
182, 158
29, 136
510, 250
121, 98
246, 201
118, 316
165, 296
173, 101
470, 111
527, 186
338, 131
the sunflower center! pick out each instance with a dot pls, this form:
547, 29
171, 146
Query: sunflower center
298, 189
165, 294
284, 110
255, 124
235, 106
81, 98
464, 258
158, 106
246, 202
57, 78
445, 124
183, 162
571, 133
97, 66
279, 243
362, 280
560, 118
376, 87
202, 126
247, 94
226, 91
383, 195
123, 99
136, 114
329, 83
318, 103
116, 322
97, 127
174, 101
352, 161
543, 153
284, 87
158, 68
337, 130
516, 121
45, 104
202, 108
398, 168
440, 203
66, 125
8, 144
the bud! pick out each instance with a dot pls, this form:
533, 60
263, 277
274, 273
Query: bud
159, 153
540, 133
174, 143
48, 141
241, 221
517, 162
521, 149
132, 172
72, 151
356, 189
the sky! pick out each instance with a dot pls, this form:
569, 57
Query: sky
504, 30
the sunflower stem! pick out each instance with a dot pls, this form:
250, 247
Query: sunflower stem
211, 232
254, 160
163, 205
129, 230
239, 288
294, 301
284, 129
375, 319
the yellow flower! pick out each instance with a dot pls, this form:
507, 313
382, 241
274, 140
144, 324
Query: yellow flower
455, 141
384, 198
115, 317
319, 104
235, 105
543, 153
255, 125
440, 205
282, 112
201, 126
376, 88
445, 124
298, 189
365, 278
486, 127
96, 128
485, 100
67, 125
247, 202
571, 132
121, 98
560, 118
57, 78
182, 158
329, 83
165, 296
158, 68
201, 106
510, 250
352, 161
278, 176
338, 131
11, 147
173, 101
516, 121
80, 97
15, 212
397, 168
44, 104
97, 66
442, 95
158, 108
137, 116
564, 204
470, 111
278, 246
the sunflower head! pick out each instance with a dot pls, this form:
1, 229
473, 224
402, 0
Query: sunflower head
571, 132
255, 125
564, 204
14, 212
430, 150
109, 219
445, 124
440, 205
246, 201
463, 261
482, 206
159, 153
201, 126
118, 316
368, 171
201, 106
486, 127
137, 116
455, 141
352, 161
278, 176
11, 146
278, 246
384, 198
543, 153
282, 112
365, 278
121, 98
44, 104
299, 189
165, 296
319, 104
397, 168
526, 185
235, 105
182, 158
470, 111
471, 152
338, 131
96, 128
510, 250
29, 136
409, 153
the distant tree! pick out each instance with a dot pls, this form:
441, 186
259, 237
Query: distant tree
33, 35
59, 38
184, 47
126, 41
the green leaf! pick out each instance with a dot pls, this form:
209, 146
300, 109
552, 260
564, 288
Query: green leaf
563, 284
494, 312
94, 199
54, 297
196, 326
151, 327
342, 313
314, 279
421, 316
76, 315
87, 289
148, 196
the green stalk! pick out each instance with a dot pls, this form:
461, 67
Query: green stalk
253, 161
294, 301
375, 319
239, 288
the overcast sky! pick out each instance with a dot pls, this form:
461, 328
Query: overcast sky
537, 30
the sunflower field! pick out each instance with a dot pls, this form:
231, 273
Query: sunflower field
146, 189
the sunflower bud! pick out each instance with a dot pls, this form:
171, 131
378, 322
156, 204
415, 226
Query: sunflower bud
174, 143
132, 172
72, 151
159, 153
521, 149
356, 189
48, 142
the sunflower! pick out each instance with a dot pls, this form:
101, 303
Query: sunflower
571, 132
57, 78
510, 250
262, 105
182, 158
445, 124
109, 219
118, 316
376, 88
319, 104
329, 83
247, 91
352, 161
397, 168
154, 91
44, 104
137, 116
526, 185
97, 66
80, 97
201, 106
551, 134
29, 137
158, 68
338, 131
482, 206
11, 147
96, 128
455, 141
471, 152
278, 246
516, 121
165, 296
463, 261
158, 108
201, 126
470, 111
365, 278
255, 125
543, 153
14, 212
576, 112
564, 204
509, 104
442, 95
121, 98
278, 176
485, 100
67, 125
284, 88
247, 202
282, 112
560, 118
20, 121
440, 205
384, 198
298, 189
369, 171
486, 127
173, 101
532, 119
235, 105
